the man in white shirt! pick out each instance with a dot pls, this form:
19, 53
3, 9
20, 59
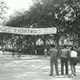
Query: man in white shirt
73, 60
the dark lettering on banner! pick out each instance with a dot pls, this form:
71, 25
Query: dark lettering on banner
33, 31
15, 30
20, 30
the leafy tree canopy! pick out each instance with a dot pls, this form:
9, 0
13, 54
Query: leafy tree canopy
62, 14
3, 9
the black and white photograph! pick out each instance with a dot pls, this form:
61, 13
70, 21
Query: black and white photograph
39, 39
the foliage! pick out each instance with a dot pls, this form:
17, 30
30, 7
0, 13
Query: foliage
62, 14
3, 9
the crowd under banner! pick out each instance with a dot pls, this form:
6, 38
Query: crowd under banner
27, 31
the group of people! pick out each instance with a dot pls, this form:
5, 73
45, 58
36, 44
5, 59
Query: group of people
66, 56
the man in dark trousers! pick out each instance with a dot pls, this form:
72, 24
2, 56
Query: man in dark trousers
53, 59
64, 60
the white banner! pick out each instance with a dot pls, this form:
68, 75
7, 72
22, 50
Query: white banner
27, 31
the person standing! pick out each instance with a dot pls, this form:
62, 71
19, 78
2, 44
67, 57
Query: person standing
45, 52
64, 60
53, 59
79, 54
3, 49
73, 61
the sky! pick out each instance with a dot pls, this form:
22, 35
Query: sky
17, 5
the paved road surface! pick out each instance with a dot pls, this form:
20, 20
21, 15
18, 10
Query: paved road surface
29, 67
